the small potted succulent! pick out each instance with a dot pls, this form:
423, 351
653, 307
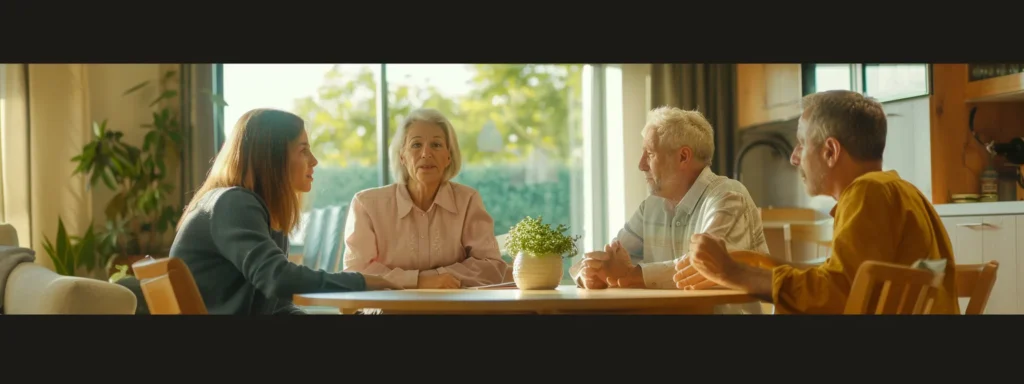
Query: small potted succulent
538, 251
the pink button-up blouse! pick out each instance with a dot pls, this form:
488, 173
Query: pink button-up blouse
386, 234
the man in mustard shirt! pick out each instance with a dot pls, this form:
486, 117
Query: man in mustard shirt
878, 216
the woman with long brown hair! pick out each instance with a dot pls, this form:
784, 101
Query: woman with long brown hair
234, 233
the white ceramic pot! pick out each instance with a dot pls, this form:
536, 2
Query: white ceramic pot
532, 272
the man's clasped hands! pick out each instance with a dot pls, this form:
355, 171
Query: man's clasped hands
706, 265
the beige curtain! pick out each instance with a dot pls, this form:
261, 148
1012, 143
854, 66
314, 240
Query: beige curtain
709, 88
46, 114
14, 175
45, 123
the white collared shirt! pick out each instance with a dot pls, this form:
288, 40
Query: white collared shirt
657, 235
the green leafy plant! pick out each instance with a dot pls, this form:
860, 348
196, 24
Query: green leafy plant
70, 253
533, 236
142, 208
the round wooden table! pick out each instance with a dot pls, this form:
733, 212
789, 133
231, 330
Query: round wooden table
566, 299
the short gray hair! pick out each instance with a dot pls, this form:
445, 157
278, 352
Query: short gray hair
426, 115
858, 122
676, 128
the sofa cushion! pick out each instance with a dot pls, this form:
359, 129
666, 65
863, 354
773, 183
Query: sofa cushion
35, 289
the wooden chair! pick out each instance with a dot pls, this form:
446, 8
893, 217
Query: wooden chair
976, 281
904, 290
168, 287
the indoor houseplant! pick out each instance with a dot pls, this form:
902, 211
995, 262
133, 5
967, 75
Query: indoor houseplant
73, 255
143, 207
539, 250
142, 210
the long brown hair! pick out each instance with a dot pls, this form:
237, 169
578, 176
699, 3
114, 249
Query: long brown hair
255, 157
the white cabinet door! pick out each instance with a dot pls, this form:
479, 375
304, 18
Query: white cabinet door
1019, 273
979, 239
965, 233
966, 237
999, 242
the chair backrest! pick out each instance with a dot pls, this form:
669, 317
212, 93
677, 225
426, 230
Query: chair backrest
314, 239
168, 287
903, 290
976, 281
332, 242
324, 243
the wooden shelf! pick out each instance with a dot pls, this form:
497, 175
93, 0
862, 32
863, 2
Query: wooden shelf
996, 89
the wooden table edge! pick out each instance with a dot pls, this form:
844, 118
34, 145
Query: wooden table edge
670, 304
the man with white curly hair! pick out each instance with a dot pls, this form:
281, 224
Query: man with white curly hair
686, 198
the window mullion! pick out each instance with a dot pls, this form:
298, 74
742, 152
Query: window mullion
384, 177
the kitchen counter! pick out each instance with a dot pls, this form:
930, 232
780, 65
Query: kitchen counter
981, 209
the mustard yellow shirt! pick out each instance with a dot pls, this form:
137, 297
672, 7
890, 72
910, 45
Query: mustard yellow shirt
878, 217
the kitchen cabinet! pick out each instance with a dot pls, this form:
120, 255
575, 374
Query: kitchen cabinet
767, 93
1008, 87
957, 159
982, 238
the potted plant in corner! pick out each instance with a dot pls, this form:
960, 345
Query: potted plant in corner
538, 251
73, 255
142, 210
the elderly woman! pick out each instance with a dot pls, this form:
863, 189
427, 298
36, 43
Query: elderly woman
424, 231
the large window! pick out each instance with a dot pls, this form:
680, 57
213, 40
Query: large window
830, 77
338, 104
519, 127
885, 82
888, 82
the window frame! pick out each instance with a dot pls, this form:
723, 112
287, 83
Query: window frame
859, 80
217, 88
594, 162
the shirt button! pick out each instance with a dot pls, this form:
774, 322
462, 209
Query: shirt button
678, 223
